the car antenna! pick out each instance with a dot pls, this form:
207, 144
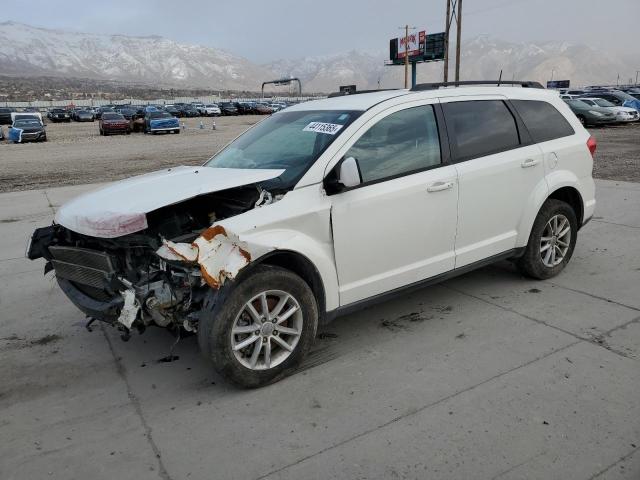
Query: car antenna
500, 77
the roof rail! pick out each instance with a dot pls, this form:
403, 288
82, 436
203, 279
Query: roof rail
357, 92
435, 86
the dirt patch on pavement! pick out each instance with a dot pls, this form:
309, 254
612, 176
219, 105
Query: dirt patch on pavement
76, 154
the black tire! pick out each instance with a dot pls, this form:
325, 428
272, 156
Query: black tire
531, 263
220, 311
176, 131
583, 120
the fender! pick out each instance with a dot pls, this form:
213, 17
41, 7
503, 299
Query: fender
553, 182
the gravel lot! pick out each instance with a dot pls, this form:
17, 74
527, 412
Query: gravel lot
618, 154
75, 154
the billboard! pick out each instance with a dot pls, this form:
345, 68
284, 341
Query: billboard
422, 48
411, 43
558, 84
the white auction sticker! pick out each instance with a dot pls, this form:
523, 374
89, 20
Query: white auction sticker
320, 127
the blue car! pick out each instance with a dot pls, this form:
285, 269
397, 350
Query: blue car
161, 122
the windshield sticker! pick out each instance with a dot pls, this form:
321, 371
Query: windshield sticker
320, 127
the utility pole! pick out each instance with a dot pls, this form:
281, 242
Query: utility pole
447, 27
406, 56
458, 40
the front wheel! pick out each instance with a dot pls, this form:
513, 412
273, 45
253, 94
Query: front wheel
262, 329
551, 242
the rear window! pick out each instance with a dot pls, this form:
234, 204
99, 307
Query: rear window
543, 120
481, 127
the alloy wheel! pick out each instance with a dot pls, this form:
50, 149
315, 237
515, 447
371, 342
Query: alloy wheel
266, 330
555, 240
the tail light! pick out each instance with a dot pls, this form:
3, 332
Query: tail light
591, 145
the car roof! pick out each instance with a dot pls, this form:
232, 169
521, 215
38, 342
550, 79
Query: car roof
364, 101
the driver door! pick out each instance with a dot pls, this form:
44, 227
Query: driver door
398, 226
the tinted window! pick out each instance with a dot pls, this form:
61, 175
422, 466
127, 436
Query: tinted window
402, 142
542, 120
481, 127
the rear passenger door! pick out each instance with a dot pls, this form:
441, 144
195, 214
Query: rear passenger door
499, 168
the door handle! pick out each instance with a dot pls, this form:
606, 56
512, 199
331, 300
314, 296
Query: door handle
439, 186
529, 162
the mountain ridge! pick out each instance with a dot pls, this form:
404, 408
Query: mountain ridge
159, 61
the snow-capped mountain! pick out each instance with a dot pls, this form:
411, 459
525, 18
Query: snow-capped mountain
28, 50
482, 58
157, 61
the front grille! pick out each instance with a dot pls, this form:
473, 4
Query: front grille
95, 293
83, 256
83, 266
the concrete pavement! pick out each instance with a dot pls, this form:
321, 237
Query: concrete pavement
489, 375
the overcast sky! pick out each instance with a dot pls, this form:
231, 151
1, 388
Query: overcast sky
267, 30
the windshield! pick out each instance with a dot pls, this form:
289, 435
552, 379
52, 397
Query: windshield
27, 122
601, 102
112, 116
289, 140
625, 96
578, 103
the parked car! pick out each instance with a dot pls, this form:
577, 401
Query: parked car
5, 115
84, 116
173, 110
589, 115
59, 115
263, 109
190, 111
127, 112
228, 108
27, 129
111, 122
618, 98
623, 114
244, 108
161, 122
101, 110
211, 110
327, 207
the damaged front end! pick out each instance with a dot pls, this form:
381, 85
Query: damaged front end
159, 275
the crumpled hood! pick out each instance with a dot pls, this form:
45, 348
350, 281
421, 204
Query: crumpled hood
121, 207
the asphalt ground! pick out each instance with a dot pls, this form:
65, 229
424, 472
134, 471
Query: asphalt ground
486, 376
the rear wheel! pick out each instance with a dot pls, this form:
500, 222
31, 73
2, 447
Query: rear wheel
551, 242
262, 330
583, 120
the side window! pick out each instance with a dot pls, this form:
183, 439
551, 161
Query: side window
613, 99
481, 127
542, 119
400, 143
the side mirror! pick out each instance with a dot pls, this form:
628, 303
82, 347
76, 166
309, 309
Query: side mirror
349, 173
345, 174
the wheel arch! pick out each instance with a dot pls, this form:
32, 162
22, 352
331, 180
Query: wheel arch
565, 188
571, 196
301, 266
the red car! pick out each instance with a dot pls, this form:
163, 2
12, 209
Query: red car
113, 123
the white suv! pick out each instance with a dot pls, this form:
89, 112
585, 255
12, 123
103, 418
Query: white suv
323, 208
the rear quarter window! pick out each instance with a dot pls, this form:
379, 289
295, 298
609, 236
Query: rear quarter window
480, 128
543, 120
